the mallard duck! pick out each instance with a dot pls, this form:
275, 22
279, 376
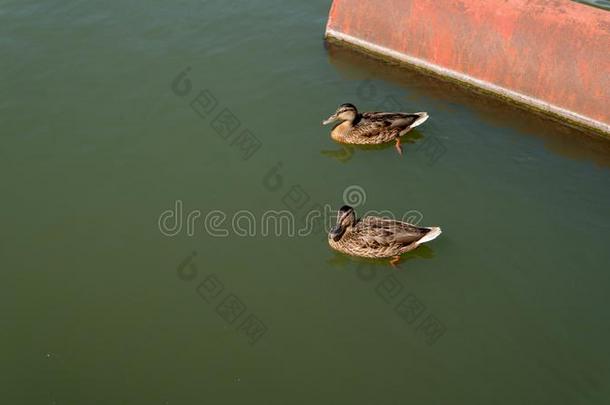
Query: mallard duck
376, 237
372, 127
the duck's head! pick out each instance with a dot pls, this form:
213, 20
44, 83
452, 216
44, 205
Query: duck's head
346, 217
345, 112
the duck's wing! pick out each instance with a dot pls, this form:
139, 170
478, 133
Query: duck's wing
394, 120
377, 231
374, 123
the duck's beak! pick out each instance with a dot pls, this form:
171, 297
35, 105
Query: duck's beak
330, 119
336, 232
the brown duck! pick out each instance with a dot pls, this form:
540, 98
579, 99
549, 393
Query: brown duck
377, 237
372, 127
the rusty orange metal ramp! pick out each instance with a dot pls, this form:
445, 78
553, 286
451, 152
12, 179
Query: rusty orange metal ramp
552, 55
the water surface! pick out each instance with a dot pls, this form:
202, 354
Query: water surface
603, 4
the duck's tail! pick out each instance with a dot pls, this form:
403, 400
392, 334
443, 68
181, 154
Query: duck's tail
435, 231
422, 117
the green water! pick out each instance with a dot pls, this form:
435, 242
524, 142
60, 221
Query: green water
603, 4
508, 306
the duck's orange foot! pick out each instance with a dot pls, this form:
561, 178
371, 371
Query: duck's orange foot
398, 147
394, 261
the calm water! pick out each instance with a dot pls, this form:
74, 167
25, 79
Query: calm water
508, 306
603, 4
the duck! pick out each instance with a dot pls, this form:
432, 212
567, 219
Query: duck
372, 127
376, 237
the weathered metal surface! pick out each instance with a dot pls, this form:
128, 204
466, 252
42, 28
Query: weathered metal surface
553, 55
